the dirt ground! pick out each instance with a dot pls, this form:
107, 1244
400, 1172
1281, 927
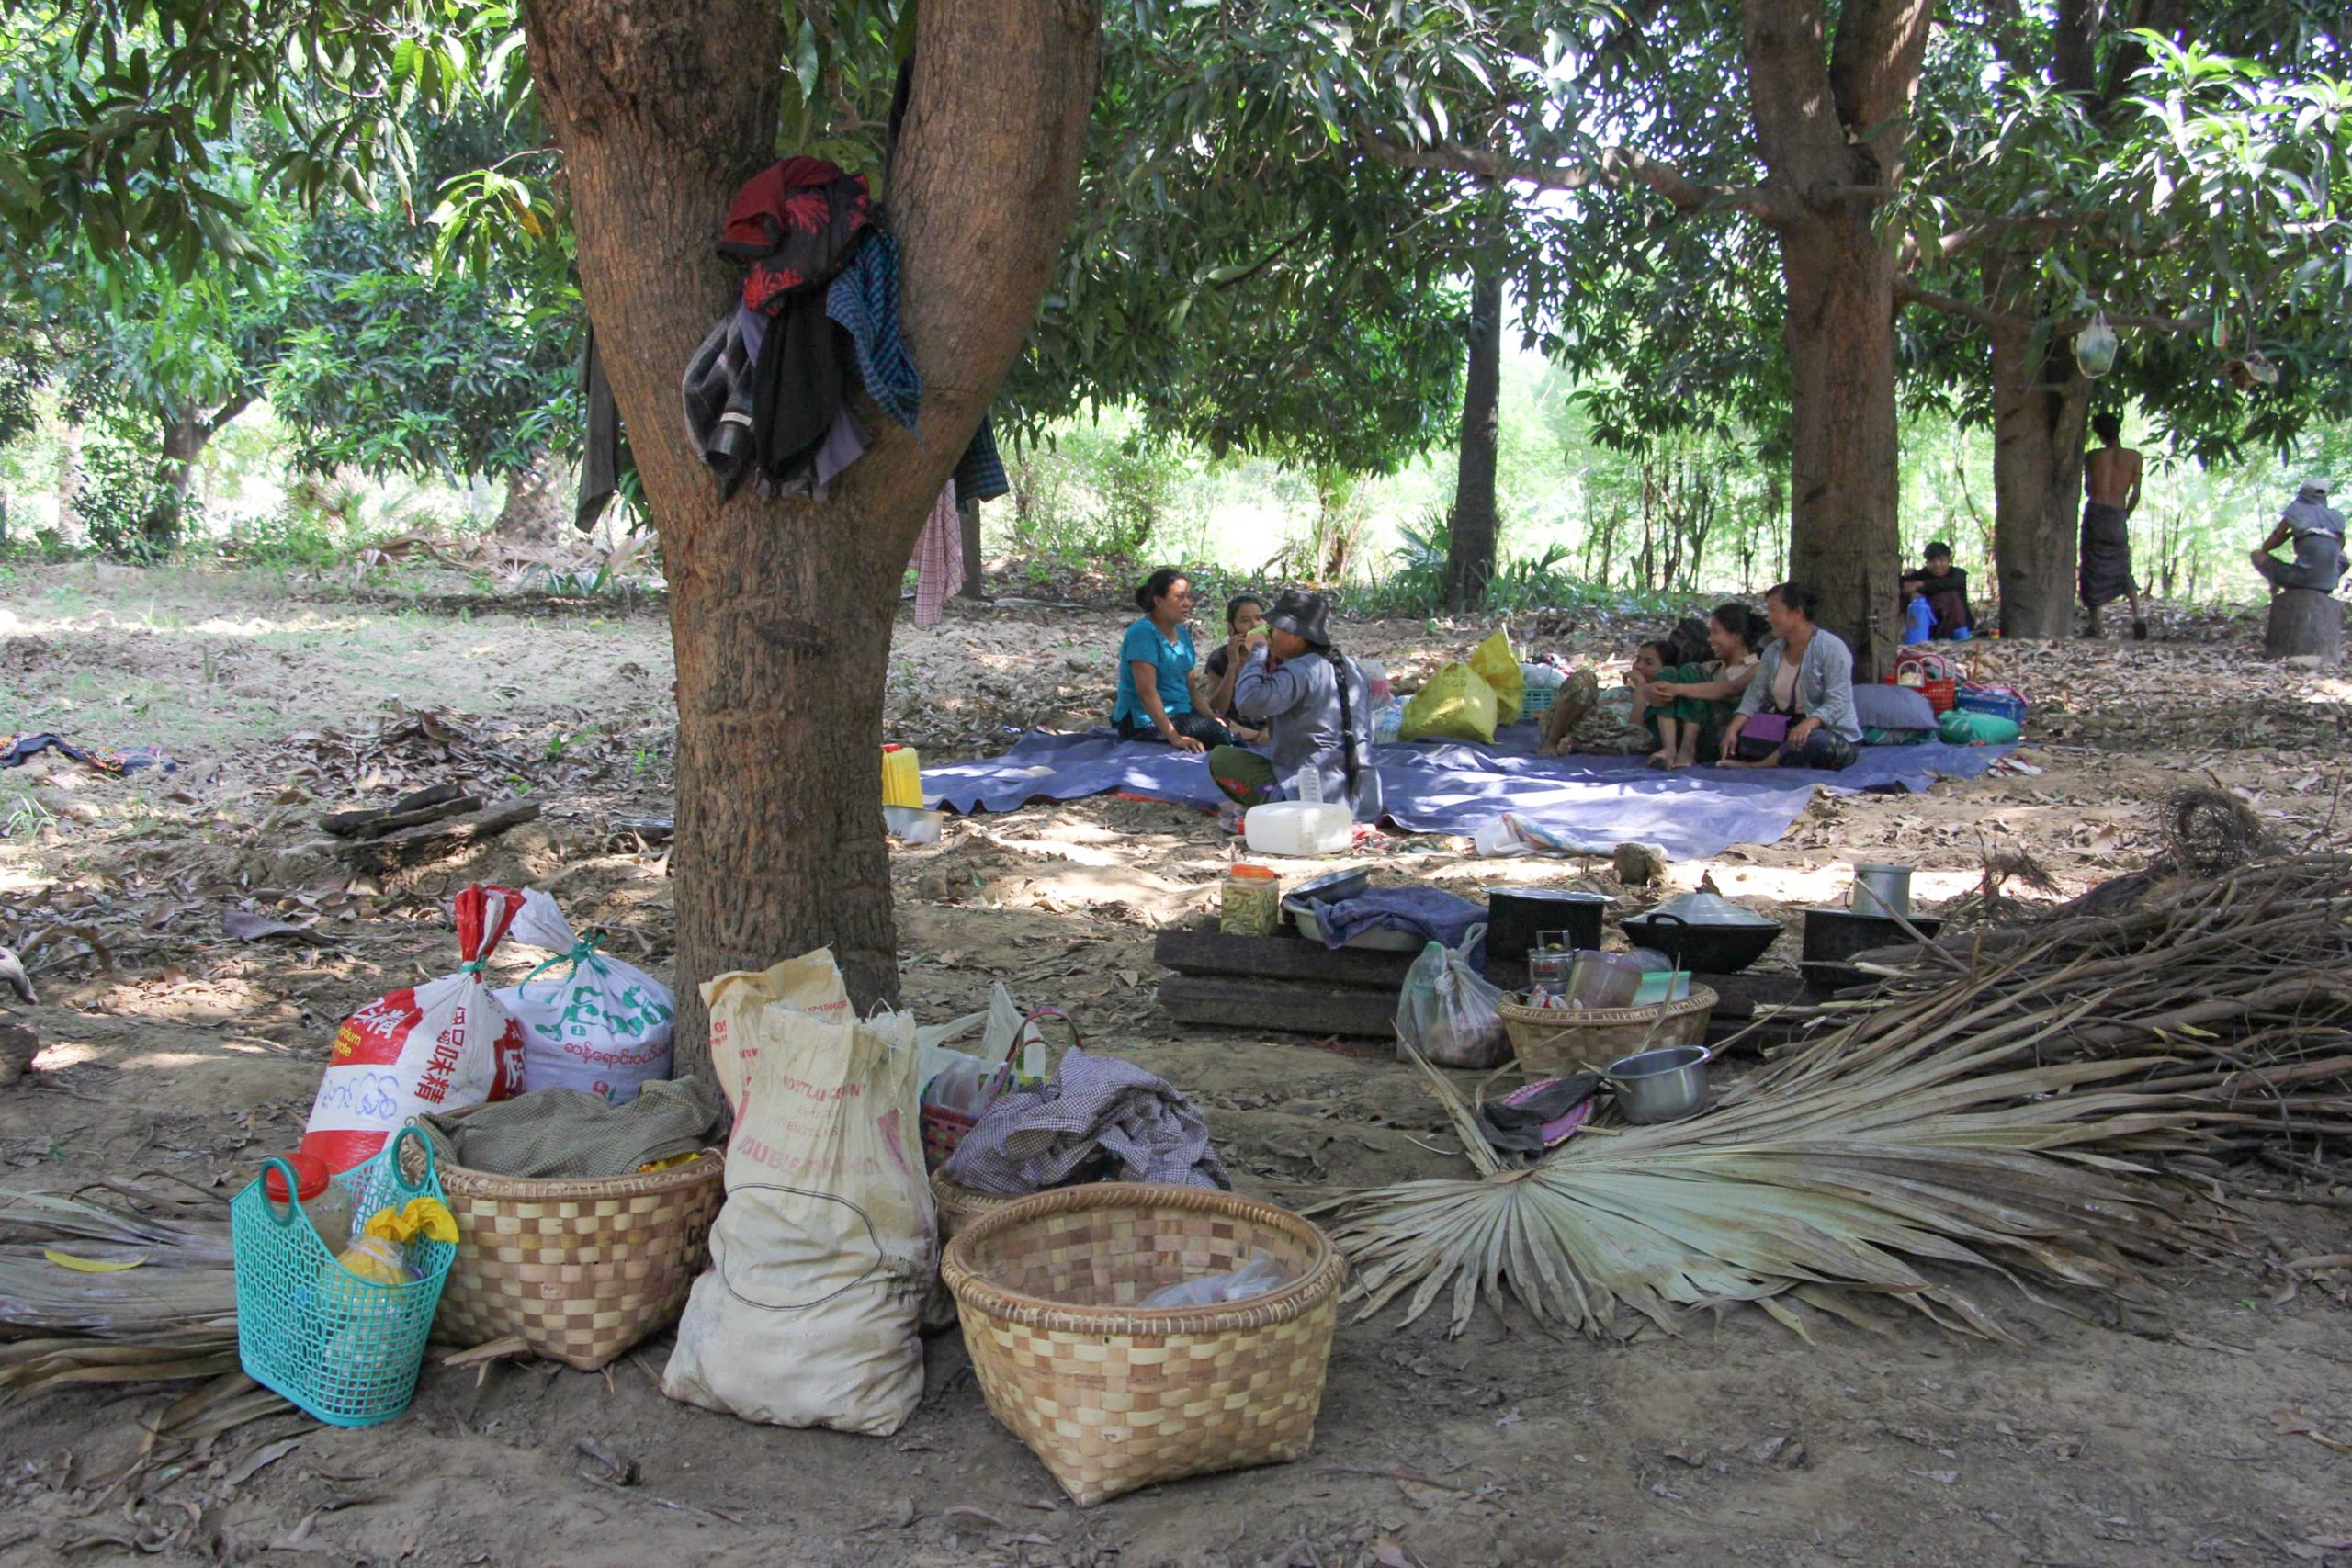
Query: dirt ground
2107, 1436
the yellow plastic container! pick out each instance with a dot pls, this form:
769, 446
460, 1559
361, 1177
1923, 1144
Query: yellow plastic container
901, 777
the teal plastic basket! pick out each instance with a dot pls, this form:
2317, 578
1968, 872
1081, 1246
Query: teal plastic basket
347, 1349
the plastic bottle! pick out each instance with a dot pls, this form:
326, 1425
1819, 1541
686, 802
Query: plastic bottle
326, 1203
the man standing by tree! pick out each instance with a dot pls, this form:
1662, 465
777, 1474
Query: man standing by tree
2110, 494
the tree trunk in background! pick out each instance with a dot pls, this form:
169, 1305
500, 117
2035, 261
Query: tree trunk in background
1843, 478
185, 435
1470, 554
2038, 425
975, 571
1830, 120
781, 610
539, 502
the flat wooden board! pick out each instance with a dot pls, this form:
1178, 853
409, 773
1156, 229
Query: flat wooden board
1236, 1002
1193, 951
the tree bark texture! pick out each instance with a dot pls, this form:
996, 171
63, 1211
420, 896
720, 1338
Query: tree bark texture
1470, 552
2304, 624
781, 610
1829, 117
539, 502
975, 571
2041, 406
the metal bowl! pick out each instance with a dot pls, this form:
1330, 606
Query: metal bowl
1660, 1086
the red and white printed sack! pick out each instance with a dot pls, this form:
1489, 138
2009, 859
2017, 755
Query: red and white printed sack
439, 1046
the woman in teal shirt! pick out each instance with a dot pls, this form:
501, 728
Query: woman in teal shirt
1156, 670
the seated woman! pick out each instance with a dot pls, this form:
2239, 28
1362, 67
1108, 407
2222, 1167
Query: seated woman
1803, 692
1582, 719
1244, 613
1155, 662
1691, 704
1317, 704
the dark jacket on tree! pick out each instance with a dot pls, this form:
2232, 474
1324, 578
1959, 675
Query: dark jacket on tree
764, 394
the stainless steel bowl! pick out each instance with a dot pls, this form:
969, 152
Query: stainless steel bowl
1660, 1086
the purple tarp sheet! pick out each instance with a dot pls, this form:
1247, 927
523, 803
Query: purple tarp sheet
1457, 787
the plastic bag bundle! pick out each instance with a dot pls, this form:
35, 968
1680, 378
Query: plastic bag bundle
604, 1026
1255, 1278
442, 1045
1498, 667
1450, 1013
1455, 704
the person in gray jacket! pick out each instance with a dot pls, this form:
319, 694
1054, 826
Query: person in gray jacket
1806, 682
2317, 530
1317, 704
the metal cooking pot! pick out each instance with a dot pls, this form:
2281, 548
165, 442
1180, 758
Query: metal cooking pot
1707, 949
1660, 1086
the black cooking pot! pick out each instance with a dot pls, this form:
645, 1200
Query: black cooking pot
1711, 949
1514, 916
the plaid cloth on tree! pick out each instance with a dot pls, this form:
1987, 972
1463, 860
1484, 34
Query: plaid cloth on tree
1097, 1118
938, 559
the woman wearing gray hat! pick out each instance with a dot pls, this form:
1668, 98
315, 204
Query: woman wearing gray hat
1317, 704
2317, 530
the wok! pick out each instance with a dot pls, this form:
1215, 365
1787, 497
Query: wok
1706, 949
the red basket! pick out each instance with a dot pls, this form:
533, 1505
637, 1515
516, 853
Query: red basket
1942, 696
942, 1129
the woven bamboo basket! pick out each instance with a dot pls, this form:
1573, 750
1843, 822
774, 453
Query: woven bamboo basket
1112, 1397
959, 1206
1550, 1040
580, 1268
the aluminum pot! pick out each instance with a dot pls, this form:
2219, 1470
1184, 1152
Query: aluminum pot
1881, 890
1660, 1086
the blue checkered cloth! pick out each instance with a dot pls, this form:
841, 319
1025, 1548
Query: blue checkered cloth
979, 475
864, 300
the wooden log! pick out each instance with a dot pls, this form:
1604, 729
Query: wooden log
433, 841
1198, 952
376, 821
2304, 624
1232, 1002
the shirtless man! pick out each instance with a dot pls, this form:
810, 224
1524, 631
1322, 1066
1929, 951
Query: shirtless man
2110, 494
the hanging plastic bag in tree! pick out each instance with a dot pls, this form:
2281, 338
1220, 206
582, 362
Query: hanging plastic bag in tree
2095, 347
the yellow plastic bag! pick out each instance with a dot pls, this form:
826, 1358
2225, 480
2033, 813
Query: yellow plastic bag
1455, 704
1498, 667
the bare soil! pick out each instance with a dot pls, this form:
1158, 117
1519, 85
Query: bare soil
2109, 1433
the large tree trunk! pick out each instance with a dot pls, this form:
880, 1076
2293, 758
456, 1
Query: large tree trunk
781, 610
1830, 122
2038, 421
1845, 541
1470, 556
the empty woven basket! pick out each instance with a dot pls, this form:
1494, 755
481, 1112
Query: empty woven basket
1112, 1397
580, 1268
1550, 1040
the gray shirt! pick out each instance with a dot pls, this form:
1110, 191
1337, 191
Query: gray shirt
2318, 530
1300, 702
1825, 684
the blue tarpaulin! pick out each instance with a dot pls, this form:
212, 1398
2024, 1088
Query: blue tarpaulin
1459, 787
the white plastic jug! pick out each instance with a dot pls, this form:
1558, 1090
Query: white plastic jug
1296, 827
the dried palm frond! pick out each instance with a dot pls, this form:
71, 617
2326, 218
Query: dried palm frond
1837, 1173
172, 1314
2233, 988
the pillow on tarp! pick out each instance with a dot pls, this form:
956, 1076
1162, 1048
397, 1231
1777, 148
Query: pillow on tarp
1498, 667
1964, 728
1893, 707
1455, 704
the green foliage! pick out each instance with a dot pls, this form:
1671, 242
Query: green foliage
1092, 493
131, 512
